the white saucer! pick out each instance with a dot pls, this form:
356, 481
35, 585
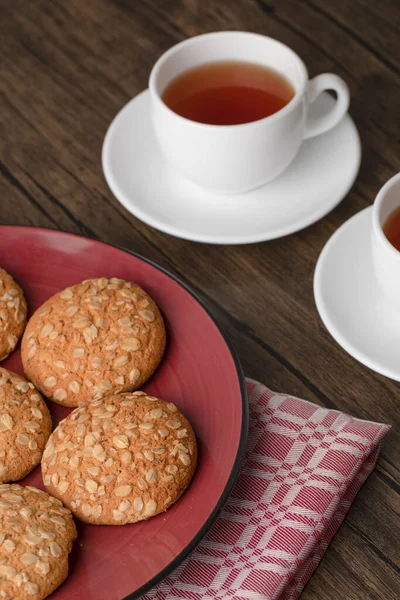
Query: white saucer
143, 182
350, 302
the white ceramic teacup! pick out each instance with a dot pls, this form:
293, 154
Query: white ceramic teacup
385, 257
237, 158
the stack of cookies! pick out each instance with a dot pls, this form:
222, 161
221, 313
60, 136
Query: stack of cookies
120, 457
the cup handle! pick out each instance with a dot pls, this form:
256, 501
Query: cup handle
326, 81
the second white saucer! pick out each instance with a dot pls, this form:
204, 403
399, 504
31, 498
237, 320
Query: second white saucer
145, 184
350, 302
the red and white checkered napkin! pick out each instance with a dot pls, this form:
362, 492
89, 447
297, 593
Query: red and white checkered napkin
303, 468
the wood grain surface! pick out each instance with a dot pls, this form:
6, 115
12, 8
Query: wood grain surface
68, 66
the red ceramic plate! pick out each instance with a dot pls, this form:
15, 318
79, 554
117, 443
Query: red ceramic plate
199, 373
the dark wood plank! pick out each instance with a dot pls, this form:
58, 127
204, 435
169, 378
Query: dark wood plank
68, 66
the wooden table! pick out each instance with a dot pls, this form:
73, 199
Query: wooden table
67, 67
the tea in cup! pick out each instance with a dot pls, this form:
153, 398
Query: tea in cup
386, 240
230, 109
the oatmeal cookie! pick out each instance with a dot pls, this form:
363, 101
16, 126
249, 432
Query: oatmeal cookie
25, 426
36, 536
13, 313
121, 459
93, 338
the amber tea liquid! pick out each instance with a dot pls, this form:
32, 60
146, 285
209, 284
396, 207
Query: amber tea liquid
391, 228
228, 93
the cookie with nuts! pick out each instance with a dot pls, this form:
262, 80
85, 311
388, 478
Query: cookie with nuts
13, 313
121, 459
36, 536
94, 338
25, 426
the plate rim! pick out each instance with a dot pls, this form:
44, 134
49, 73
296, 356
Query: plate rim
206, 238
245, 409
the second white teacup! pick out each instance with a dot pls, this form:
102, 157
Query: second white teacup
238, 158
386, 258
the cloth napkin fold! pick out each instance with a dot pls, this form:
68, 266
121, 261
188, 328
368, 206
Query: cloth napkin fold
302, 470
